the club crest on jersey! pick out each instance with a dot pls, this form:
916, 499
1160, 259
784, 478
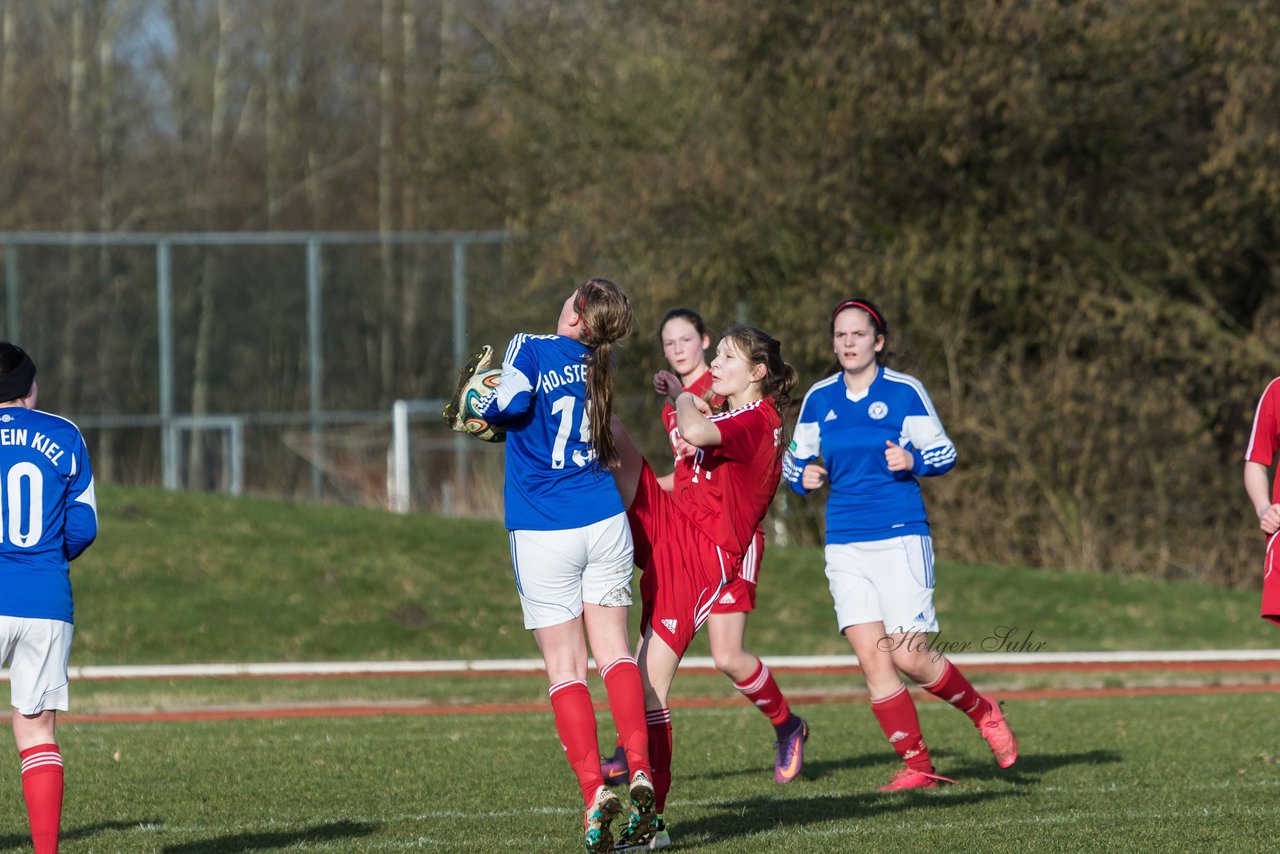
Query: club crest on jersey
878, 410
6, 418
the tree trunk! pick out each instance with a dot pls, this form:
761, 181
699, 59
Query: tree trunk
412, 131
208, 278
75, 309
386, 197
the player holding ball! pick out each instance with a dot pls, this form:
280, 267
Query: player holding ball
571, 548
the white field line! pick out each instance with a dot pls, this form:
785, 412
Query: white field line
775, 662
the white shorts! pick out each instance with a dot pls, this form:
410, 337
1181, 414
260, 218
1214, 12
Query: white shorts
887, 581
36, 653
556, 571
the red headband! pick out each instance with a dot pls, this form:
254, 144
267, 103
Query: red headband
853, 303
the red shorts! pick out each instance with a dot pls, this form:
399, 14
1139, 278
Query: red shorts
739, 595
1271, 580
683, 569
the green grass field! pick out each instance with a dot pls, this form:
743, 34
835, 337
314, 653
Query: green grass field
183, 578
1151, 774
177, 577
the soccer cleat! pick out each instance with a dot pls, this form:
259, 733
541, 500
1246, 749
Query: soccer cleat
661, 839
910, 778
995, 729
640, 824
598, 817
614, 769
790, 754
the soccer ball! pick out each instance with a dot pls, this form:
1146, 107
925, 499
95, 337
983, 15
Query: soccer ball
480, 384
474, 381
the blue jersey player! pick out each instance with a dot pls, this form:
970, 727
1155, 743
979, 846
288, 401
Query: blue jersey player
571, 547
876, 432
47, 519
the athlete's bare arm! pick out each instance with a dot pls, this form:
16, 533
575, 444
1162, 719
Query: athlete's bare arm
1257, 484
692, 420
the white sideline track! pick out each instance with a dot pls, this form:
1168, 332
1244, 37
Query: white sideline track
776, 662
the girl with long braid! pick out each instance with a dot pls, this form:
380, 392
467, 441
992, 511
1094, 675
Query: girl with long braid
571, 546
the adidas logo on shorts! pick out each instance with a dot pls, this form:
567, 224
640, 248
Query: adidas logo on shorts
670, 625
727, 599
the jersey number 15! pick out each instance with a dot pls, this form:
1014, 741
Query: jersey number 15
564, 407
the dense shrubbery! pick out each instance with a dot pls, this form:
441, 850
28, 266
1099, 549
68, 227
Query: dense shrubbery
1068, 210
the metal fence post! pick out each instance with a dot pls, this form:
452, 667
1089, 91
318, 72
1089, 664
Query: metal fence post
164, 317
315, 364
12, 291
461, 451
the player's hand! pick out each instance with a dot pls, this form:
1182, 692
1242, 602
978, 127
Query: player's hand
700, 404
683, 450
1269, 519
813, 477
668, 385
897, 458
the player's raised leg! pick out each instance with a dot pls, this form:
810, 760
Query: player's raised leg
913, 656
753, 679
893, 707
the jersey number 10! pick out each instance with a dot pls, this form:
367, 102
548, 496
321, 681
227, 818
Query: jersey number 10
564, 407
11, 496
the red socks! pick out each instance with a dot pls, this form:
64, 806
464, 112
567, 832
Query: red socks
897, 716
764, 693
576, 725
956, 690
42, 790
626, 702
659, 721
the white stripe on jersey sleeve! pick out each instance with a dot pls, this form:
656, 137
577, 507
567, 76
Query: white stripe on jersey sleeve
925, 433
908, 380
512, 382
89, 496
807, 437
1253, 431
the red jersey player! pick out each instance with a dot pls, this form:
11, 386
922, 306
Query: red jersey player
685, 341
1264, 441
694, 539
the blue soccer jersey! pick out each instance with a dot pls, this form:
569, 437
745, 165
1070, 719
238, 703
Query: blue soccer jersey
552, 480
867, 501
48, 514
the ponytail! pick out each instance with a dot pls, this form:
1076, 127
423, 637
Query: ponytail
606, 319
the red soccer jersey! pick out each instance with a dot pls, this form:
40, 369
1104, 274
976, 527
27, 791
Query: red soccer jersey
726, 490
700, 387
1264, 439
